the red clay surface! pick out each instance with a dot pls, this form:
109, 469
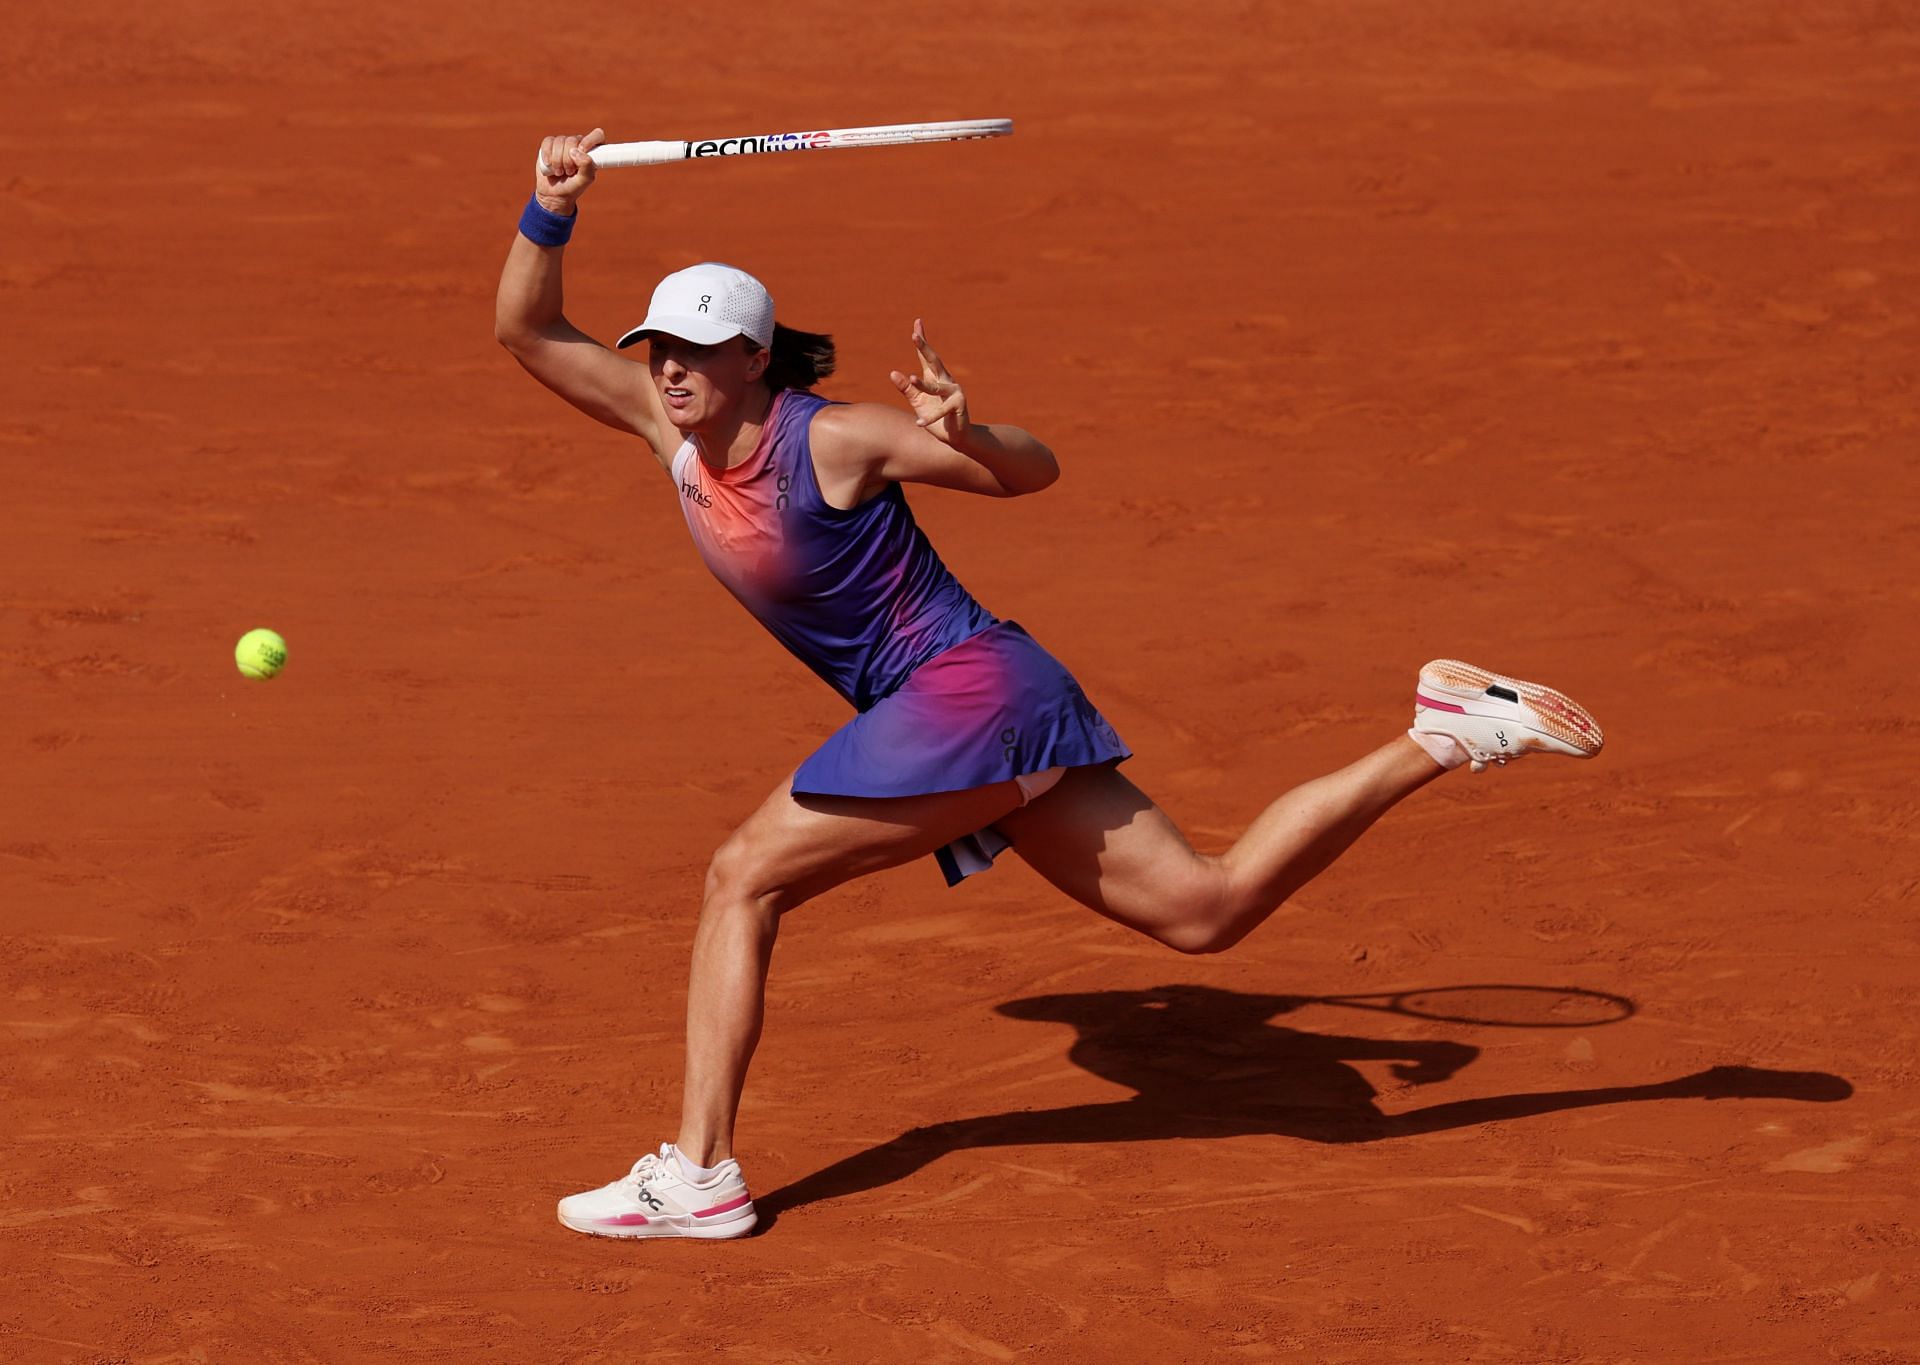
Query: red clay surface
1577, 341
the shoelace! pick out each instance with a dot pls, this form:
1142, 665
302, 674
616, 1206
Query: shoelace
652, 1166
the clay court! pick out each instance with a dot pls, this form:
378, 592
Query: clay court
1577, 340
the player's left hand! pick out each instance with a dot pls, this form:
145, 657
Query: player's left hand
939, 403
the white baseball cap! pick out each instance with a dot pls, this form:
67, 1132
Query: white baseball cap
708, 303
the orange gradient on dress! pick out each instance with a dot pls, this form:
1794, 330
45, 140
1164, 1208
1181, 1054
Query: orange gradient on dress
734, 515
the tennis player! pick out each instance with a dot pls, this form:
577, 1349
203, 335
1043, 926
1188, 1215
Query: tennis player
968, 737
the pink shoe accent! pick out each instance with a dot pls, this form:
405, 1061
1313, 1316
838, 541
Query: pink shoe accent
625, 1220
1431, 704
727, 1207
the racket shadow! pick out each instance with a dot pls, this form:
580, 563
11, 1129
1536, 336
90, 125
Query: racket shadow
1205, 1062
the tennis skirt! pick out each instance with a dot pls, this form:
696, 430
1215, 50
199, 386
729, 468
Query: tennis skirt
993, 708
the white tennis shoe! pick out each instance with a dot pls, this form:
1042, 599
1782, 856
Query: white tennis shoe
655, 1199
1495, 718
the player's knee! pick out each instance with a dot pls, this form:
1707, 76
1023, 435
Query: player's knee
1201, 938
739, 878
731, 873
1203, 919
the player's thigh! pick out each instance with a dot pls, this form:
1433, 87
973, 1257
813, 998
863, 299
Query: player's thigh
795, 847
1104, 842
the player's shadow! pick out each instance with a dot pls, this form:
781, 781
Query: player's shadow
1206, 1063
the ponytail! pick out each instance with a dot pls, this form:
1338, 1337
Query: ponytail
800, 359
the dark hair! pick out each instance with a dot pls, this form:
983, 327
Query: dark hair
800, 359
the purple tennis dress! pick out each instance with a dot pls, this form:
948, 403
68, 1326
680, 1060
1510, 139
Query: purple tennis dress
949, 697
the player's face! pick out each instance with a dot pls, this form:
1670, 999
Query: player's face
701, 386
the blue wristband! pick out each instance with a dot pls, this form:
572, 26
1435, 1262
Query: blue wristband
543, 227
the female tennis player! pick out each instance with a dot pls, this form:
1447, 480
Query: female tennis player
968, 737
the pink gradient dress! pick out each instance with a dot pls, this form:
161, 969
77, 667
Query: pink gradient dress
948, 697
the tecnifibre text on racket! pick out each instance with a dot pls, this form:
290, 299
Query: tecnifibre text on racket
883, 135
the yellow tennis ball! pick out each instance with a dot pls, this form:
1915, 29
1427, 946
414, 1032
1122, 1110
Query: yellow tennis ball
260, 654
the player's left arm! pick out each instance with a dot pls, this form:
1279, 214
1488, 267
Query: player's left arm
938, 443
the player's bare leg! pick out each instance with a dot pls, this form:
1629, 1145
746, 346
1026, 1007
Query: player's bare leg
1101, 840
786, 853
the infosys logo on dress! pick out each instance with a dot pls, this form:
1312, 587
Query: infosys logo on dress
771, 142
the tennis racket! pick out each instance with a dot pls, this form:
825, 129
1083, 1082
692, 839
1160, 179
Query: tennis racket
884, 135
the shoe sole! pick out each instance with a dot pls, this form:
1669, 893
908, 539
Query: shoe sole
739, 1225
1546, 711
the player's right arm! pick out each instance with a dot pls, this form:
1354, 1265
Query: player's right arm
529, 320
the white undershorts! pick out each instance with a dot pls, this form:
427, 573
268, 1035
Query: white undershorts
1033, 786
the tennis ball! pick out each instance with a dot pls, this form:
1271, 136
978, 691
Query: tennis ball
260, 654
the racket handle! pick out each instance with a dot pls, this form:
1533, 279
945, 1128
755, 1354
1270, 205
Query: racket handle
637, 153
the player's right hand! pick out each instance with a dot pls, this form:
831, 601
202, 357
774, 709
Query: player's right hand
564, 170
939, 403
